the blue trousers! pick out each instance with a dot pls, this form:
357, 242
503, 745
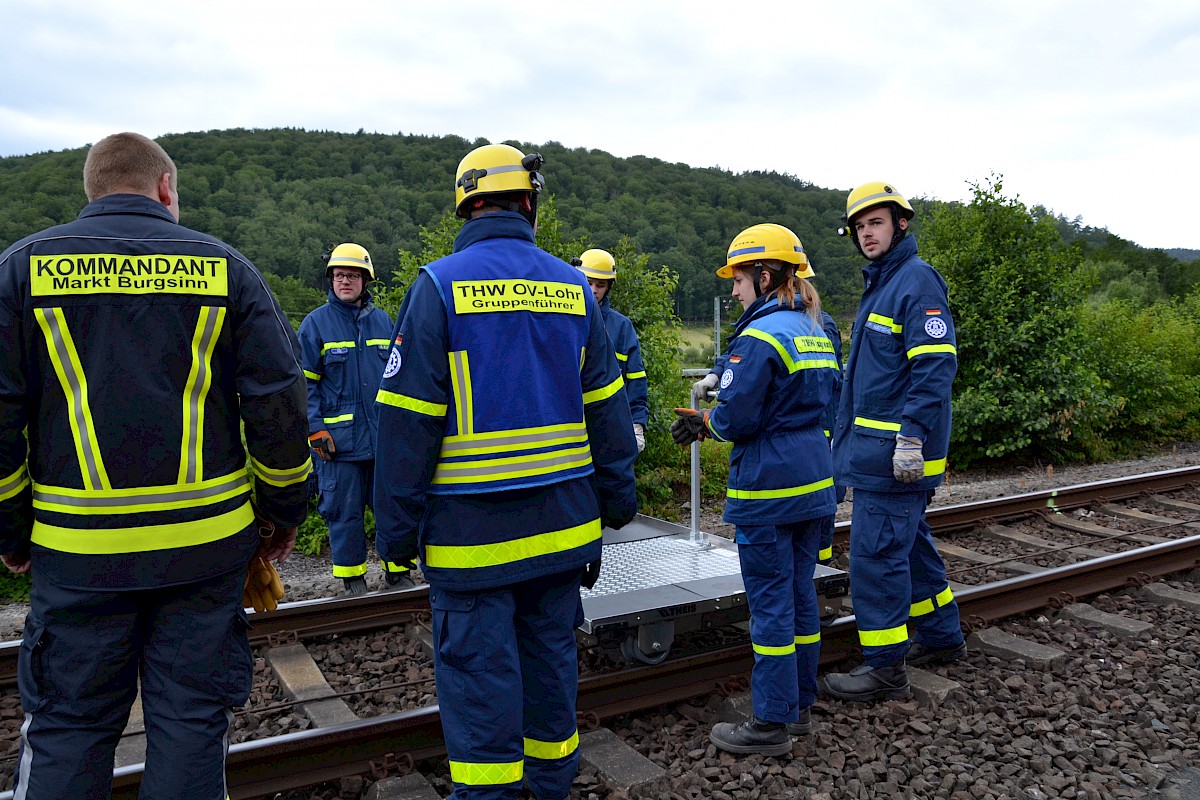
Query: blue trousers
898, 576
506, 668
78, 670
346, 489
785, 627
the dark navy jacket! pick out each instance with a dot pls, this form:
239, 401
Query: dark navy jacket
504, 432
898, 376
779, 374
344, 349
629, 354
136, 352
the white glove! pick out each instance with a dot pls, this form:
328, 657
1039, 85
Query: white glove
702, 387
908, 462
639, 433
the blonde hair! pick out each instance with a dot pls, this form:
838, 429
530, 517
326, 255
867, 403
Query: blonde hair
792, 288
125, 162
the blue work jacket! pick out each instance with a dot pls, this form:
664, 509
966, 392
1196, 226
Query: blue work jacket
344, 349
504, 430
779, 374
629, 354
898, 376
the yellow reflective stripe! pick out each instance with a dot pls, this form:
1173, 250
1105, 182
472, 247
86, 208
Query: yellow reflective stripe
932, 348
548, 751
883, 638
199, 381
392, 566
825, 553
774, 494
411, 404
477, 774
349, 572
340, 418
939, 600
69, 369
828, 434
509, 467
514, 439
808, 638
888, 321
789, 362
312, 375
142, 538
330, 345
877, 424
472, 556
378, 342
604, 392
10, 486
713, 431
622, 357
460, 379
140, 499
935, 467
633, 376
281, 477
770, 650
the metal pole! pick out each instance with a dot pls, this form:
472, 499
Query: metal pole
716, 327
696, 536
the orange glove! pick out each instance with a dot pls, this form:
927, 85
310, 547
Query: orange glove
692, 426
322, 442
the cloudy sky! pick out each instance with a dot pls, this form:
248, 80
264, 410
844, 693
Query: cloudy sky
1091, 109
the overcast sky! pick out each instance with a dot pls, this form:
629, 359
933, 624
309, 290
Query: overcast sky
1091, 109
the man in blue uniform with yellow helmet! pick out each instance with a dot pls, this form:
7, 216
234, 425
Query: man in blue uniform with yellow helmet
344, 346
505, 444
890, 442
601, 270
134, 355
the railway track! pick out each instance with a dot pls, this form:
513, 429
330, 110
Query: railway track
1144, 546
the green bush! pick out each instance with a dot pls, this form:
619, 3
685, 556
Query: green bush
15, 587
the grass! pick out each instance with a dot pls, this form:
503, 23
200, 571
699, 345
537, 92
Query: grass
698, 346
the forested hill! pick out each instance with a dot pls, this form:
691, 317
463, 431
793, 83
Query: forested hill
280, 195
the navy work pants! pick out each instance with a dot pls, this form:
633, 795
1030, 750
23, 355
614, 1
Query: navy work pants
80, 662
898, 576
346, 489
506, 667
778, 562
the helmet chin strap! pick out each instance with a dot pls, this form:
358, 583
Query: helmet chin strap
898, 232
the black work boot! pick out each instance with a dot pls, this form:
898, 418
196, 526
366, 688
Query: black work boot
920, 655
356, 585
802, 726
866, 684
398, 580
752, 736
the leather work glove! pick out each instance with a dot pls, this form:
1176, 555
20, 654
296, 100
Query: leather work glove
263, 589
322, 442
690, 427
639, 433
591, 573
908, 462
702, 387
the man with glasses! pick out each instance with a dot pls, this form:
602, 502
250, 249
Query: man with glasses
345, 346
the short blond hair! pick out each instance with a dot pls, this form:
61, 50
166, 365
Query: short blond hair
125, 162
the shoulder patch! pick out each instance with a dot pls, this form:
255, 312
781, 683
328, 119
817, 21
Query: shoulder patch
936, 327
393, 363
727, 377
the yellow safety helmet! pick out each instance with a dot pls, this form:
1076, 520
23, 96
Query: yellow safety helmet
869, 195
352, 255
763, 242
495, 168
596, 263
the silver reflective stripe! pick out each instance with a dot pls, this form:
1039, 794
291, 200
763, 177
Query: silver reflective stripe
174, 494
462, 395
541, 462
78, 398
22, 790
211, 319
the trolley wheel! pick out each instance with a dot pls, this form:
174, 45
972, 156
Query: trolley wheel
631, 652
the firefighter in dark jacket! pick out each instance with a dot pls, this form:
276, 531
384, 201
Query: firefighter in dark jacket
601, 270
777, 379
890, 442
344, 346
505, 444
134, 352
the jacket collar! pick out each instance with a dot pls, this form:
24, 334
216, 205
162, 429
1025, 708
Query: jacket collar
352, 308
881, 270
497, 225
126, 204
